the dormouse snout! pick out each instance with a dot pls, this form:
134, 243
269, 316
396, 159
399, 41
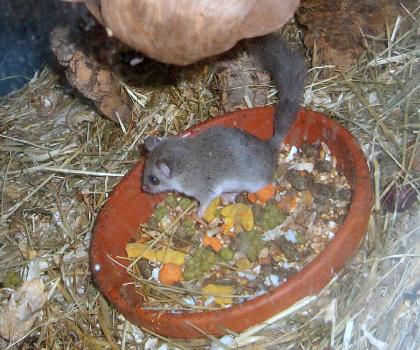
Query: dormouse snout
151, 183
146, 188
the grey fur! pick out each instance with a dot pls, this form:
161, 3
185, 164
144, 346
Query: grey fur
228, 160
287, 68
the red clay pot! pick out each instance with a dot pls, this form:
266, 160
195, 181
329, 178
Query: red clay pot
127, 207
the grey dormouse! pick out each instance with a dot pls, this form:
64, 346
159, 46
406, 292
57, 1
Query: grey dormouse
229, 160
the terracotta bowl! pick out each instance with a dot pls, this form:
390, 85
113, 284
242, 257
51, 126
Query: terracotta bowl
128, 206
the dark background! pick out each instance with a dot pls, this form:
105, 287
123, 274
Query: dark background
24, 30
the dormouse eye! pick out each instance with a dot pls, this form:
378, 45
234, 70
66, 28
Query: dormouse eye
154, 180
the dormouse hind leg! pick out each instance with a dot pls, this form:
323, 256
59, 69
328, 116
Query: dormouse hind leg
204, 202
202, 207
229, 197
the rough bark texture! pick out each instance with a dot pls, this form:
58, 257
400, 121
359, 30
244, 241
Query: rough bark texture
334, 27
242, 82
89, 77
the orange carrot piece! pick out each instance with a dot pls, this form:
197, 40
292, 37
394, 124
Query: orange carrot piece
170, 273
252, 197
266, 193
228, 230
213, 242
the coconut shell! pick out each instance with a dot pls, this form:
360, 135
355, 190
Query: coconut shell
184, 31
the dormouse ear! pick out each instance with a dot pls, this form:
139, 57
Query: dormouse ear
165, 167
152, 142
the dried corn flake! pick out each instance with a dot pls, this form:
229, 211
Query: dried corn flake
222, 294
164, 255
241, 214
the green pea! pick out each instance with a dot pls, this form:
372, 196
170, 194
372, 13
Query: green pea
160, 212
171, 202
184, 203
226, 254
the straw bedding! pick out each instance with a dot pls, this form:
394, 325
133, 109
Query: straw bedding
60, 160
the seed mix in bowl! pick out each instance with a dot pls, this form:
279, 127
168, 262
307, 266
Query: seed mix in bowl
181, 262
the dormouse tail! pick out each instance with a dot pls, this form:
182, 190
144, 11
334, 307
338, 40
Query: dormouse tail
287, 68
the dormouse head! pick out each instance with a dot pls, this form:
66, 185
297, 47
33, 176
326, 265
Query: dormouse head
158, 170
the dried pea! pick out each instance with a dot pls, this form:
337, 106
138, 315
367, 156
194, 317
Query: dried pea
160, 212
188, 222
171, 202
226, 254
184, 203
